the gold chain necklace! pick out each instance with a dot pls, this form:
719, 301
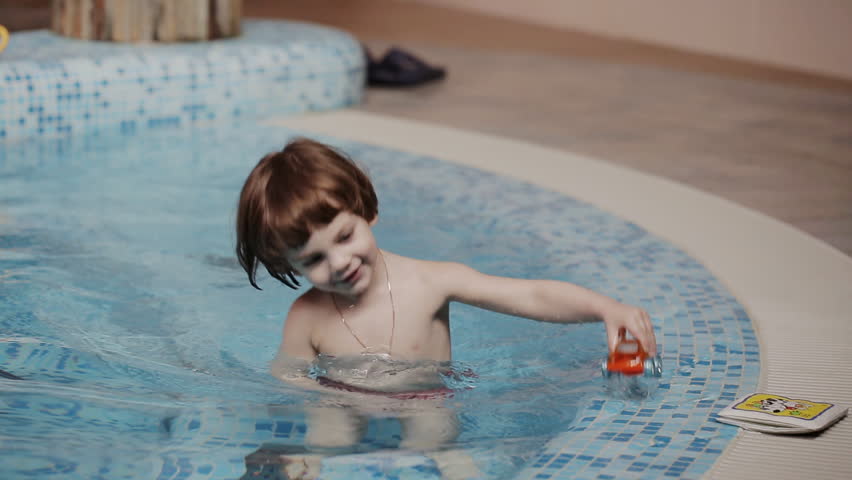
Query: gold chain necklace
393, 312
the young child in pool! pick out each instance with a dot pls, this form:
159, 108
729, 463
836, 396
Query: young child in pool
307, 211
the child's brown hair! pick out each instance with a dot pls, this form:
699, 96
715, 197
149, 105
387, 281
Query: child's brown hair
290, 193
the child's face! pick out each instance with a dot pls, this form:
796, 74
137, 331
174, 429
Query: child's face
339, 257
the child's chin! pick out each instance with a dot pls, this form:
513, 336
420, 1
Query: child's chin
349, 290
356, 289
360, 284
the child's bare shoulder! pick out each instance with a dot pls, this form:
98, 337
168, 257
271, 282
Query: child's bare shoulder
436, 273
306, 315
309, 304
440, 268
416, 267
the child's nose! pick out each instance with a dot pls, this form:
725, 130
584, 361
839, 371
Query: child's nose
339, 262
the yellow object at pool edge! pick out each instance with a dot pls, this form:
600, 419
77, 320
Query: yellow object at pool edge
4, 37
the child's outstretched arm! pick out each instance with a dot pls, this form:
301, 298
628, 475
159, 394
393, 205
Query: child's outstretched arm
544, 300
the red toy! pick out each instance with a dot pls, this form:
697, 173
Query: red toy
629, 358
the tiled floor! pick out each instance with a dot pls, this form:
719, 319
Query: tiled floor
772, 140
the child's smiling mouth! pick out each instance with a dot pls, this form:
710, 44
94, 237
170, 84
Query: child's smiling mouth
352, 277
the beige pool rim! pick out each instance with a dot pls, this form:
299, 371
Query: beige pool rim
796, 289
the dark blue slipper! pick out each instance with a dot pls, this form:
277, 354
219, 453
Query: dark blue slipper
399, 68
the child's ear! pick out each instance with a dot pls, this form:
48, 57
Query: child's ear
374, 220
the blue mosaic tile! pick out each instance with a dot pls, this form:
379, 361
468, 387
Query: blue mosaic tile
57, 86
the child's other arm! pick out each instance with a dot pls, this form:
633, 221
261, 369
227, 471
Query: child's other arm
544, 300
293, 360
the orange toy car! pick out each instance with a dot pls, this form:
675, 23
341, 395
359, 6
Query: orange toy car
629, 358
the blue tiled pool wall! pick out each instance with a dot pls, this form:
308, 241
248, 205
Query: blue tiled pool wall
52, 85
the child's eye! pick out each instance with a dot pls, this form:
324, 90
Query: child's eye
311, 260
346, 236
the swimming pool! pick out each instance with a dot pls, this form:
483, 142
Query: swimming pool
144, 349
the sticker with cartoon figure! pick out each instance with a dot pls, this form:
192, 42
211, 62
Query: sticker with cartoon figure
782, 406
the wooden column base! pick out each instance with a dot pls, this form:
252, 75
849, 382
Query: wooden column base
147, 20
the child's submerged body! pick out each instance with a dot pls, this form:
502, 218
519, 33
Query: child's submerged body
381, 374
308, 211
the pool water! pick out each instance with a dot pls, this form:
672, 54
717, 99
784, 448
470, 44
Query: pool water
144, 349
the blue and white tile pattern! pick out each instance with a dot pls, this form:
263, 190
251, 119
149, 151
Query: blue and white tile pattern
52, 85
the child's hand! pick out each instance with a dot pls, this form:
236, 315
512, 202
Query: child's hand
633, 319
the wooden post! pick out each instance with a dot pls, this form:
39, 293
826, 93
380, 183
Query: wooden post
147, 20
